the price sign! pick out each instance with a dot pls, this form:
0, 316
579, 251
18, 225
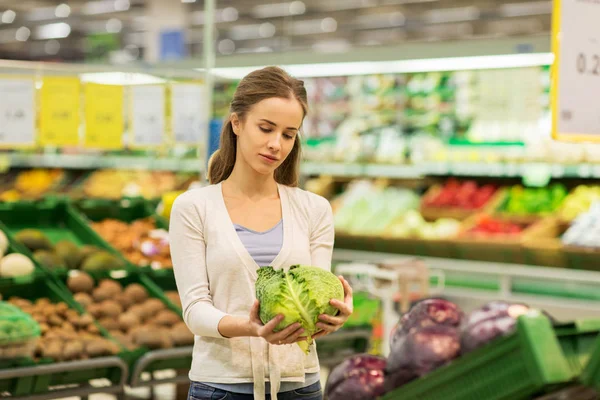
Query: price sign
576, 74
103, 116
148, 115
17, 107
188, 115
59, 115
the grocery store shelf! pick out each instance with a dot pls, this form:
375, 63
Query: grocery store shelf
362, 170
80, 161
159, 355
404, 171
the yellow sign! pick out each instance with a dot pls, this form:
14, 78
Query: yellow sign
59, 111
576, 70
103, 116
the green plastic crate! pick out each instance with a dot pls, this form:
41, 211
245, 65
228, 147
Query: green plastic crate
164, 279
590, 376
40, 383
577, 340
58, 220
126, 210
511, 368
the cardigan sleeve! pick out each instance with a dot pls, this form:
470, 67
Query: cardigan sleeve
322, 234
188, 253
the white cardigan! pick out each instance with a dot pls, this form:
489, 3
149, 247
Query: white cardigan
216, 276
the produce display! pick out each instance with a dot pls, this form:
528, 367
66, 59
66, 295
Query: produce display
114, 184
300, 295
141, 242
534, 201
66, 254
455, 194
19, 332
579, 201
31, 184
486, 225
66, 335
131, 315
585, 229
431, 335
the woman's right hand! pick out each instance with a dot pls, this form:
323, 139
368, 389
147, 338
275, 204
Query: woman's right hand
289, 335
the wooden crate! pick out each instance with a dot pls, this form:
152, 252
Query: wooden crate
461, 214
542, 244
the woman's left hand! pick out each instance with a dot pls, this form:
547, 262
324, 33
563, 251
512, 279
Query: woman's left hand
331, 324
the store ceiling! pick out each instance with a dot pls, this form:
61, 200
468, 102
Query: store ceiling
45, 29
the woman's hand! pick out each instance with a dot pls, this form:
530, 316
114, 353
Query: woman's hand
290, 334
331, 324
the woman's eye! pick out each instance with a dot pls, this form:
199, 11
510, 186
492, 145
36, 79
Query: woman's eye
265, 130
288, 136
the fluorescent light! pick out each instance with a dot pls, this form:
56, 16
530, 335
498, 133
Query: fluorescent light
266, 30
278, 9
242, 32
114, 25
340, 5
403, 66
229, 14
310, 26
376, 21
226, 46
52, 47
105, 6
526, 9
328, 25
122, 5
58, 30
22, 34
8, 17
62, 11
120, 78
41, 14
445, 15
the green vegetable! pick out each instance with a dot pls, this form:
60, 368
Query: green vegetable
301, 295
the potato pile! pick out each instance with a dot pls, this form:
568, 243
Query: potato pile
66, 335
140, 242
131, 316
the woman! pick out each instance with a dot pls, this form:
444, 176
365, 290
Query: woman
252, 215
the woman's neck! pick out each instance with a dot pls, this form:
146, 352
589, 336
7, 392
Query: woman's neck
244, 181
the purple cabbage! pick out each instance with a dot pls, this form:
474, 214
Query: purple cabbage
360, 377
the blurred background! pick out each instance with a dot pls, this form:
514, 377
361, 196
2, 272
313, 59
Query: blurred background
429, 131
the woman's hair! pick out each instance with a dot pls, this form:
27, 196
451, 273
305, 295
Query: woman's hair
259, 85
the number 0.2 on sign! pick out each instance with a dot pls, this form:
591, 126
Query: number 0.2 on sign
576, 74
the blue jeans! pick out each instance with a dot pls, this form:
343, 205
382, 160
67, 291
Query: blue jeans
200, 391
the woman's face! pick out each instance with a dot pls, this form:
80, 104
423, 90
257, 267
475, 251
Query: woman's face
267, 134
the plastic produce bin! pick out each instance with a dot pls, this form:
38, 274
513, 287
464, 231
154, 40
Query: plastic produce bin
591, 374
510, 368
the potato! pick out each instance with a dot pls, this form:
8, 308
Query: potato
111, 308
101, 347
123, 300
92, 328
153, 306
136, 292
55, 320
151, 338
140, 311
61, 308
128, 320
109, 323
166, 318
111, 286
95, 310
73, 350
181, 335
80, 282
100, 294
21, 303
53, 349
84, 299
173, 296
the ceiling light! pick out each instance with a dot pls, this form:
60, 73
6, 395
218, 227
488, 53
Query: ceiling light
526, 9
266, 30
114, 25
403, 66
229, 14
98, 7
242, 32
22, 34
8, 16
41, 14
328, 25
339, 5
58, 30
122, 5
188, 1
52, 47
446, 15
62, 11
120, 78
297, 8
226, 46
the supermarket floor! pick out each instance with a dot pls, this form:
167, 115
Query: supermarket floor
161, 392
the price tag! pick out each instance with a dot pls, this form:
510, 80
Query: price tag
148, 115
188, 119
103, 116
17, 107
59, 111
576, 75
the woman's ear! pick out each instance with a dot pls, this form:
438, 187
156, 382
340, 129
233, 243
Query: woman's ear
235, 123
